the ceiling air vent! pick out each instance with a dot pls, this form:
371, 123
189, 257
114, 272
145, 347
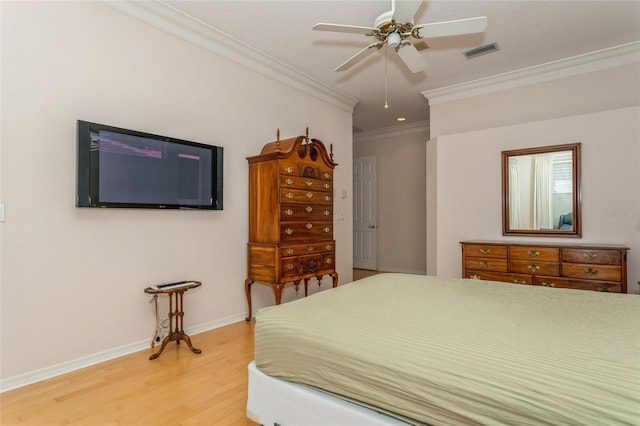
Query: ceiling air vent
482, 50
421, 45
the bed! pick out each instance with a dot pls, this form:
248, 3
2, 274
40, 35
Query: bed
414, 349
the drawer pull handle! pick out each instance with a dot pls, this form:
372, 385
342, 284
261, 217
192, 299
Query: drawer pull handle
519, 281
533, 253
327, 213
327, 175
290, 267
308, 182
289, 170
310, 248
485, 264
288, 231
309, 194
289, 212
309, 225
327, 198
533, 268
474, 277
328, 246
309, 209
289, 195
591, 272
590, 256
289, 251
327, 229
327, 185
289, 181
548, 284
328, 260
485, 251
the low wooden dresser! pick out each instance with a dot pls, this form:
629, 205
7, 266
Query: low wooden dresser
290, 215
595, 267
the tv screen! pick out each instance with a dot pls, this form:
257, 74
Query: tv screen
126, 168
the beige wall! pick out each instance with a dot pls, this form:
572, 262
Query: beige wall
72, 279
466, 187
401, 197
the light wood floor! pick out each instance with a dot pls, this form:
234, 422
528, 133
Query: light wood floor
178, 388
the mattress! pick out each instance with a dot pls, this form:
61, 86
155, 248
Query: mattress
453, 351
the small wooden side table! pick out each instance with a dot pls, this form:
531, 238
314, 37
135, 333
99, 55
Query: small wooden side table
177, 333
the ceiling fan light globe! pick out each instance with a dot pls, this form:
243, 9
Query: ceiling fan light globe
394, 39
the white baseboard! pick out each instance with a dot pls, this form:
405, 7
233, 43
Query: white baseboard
34, 376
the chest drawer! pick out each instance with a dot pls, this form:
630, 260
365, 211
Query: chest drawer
303, 196
306, 212
305, 183
592, 272
600, 257
545, 254
481, 250
486, 264
305, 170
297, 231
296, 250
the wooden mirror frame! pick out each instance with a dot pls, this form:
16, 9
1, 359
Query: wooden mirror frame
577, 192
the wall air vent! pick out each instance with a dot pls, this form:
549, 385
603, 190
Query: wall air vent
482, 50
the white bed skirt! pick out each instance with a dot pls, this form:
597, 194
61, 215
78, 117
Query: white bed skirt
273, 401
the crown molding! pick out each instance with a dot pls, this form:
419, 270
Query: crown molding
166, 18
581, 64
388, 132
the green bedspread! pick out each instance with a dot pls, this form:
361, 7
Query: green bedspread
452, 351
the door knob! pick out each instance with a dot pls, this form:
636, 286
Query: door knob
372, 226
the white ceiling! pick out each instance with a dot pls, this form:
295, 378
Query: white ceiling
528, 33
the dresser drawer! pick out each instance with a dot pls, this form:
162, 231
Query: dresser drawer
303, 196
600, 257
557, 282
306, 212
297, 231
592, 272
499, 276
486, 264
545, 254
481, 250
305, 183
534, 267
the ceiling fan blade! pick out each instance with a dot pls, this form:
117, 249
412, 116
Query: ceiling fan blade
339, 28
359, 56
404, 10
412, 58
450, 28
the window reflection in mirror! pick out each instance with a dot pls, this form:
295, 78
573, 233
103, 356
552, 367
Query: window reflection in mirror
541, 191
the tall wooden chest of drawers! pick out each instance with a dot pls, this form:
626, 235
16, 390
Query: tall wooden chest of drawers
596, 267
290, 215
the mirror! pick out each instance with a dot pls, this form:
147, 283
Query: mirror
541, 191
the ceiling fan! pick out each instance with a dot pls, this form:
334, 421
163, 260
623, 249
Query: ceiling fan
395, 28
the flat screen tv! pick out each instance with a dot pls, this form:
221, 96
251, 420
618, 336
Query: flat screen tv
126, 168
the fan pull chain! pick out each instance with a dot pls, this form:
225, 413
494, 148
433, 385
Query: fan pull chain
386, 58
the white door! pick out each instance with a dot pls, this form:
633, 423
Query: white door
365, 213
